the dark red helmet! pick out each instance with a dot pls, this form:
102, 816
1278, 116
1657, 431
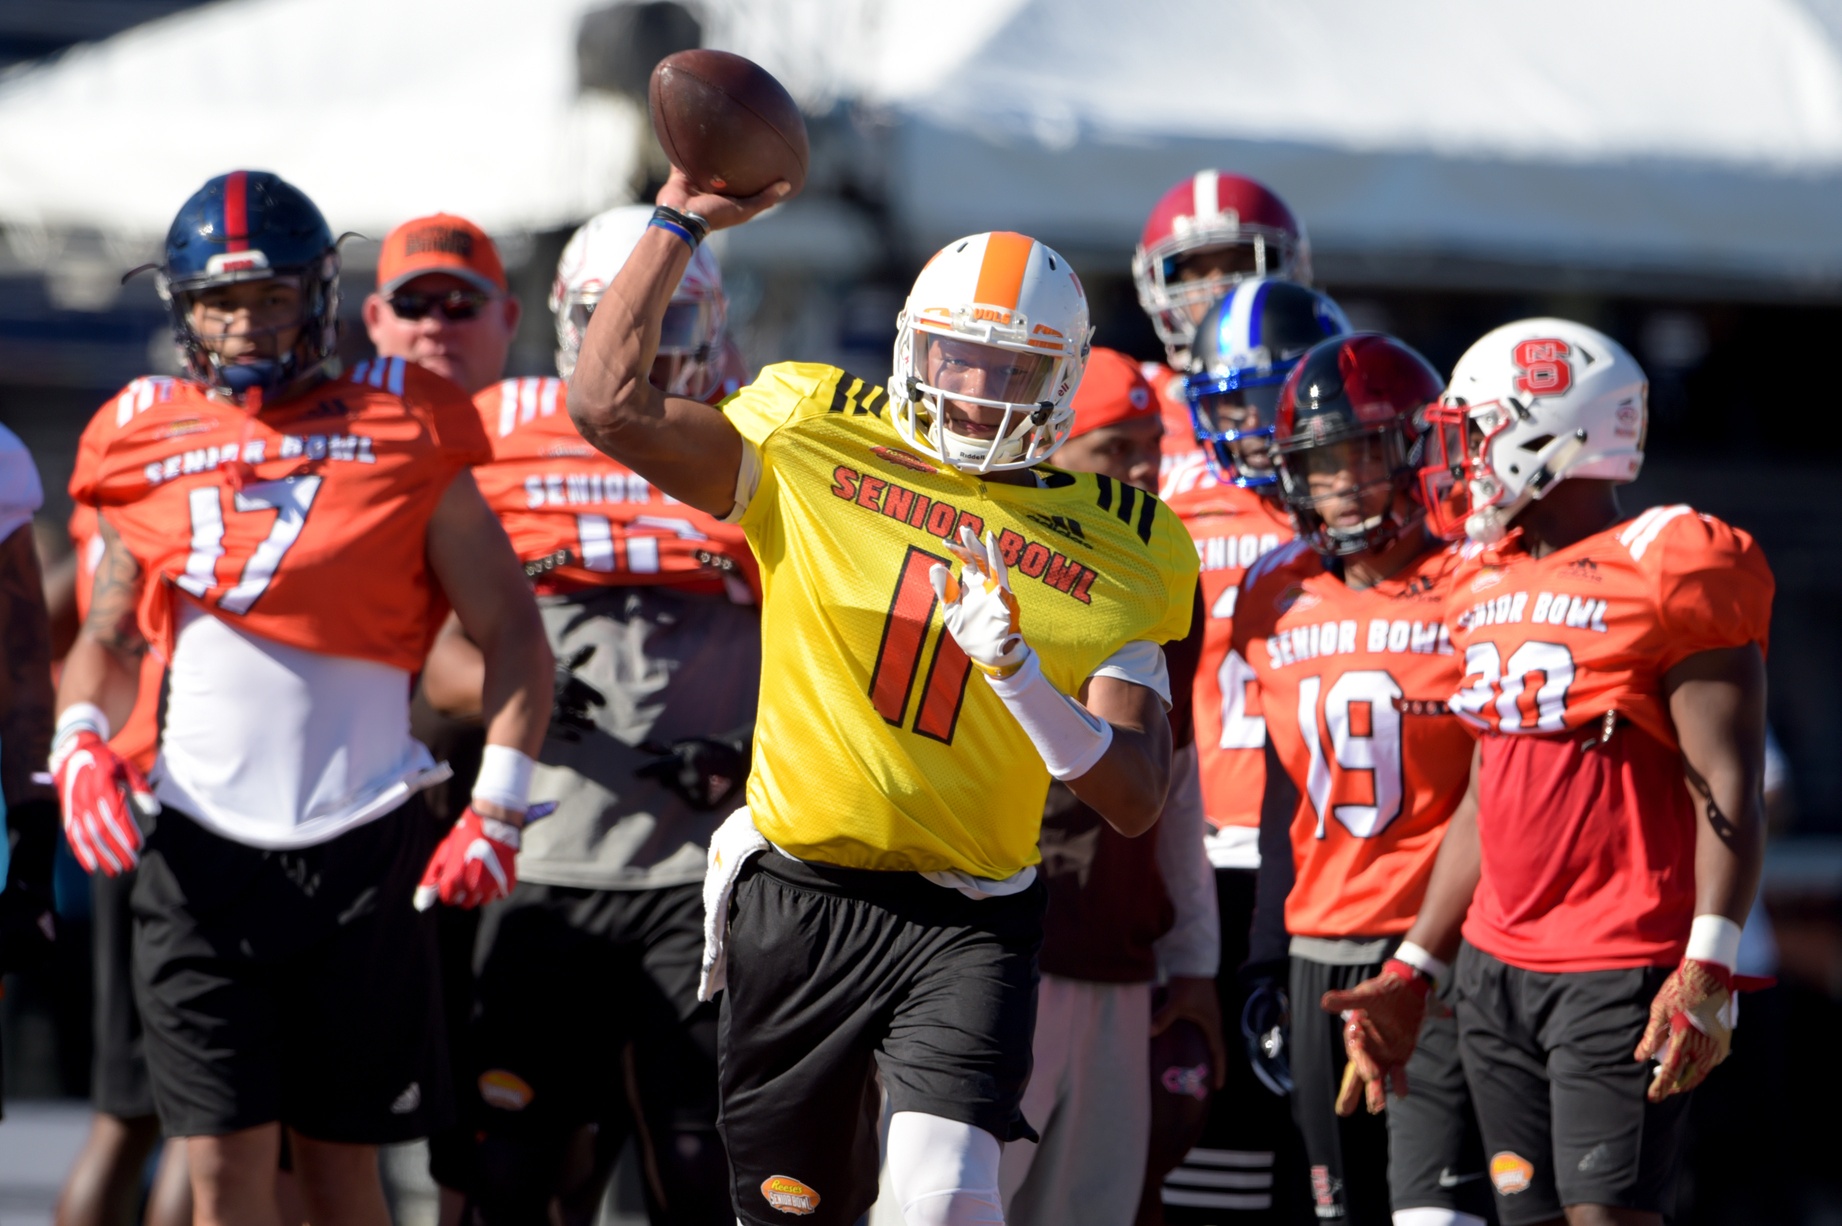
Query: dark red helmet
1208, 210
1353, 406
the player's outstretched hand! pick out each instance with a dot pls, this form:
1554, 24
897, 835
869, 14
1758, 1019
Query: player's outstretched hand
718, 212
981, 611
475, 863
100, 792
1691, 1025
1381, 1025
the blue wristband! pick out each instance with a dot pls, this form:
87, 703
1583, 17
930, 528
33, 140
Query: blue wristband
673, 227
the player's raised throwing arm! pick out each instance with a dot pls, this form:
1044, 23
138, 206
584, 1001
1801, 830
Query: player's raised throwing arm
684, 447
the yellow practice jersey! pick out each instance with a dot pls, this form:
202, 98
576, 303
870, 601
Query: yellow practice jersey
876, 746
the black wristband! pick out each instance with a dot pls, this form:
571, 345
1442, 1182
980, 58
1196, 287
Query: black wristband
694, 228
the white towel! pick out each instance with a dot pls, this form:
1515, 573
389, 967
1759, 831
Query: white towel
730, 848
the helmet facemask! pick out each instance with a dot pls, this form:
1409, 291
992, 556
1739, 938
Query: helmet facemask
689, 362
1477, 479
316, 319
1369, 472
1176, 304
1233, 415
944, 373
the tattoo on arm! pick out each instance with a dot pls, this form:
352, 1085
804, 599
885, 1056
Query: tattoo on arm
26, 701
115, 598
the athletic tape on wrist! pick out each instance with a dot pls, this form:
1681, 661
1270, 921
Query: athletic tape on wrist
1069, 737
504, 778
80, 717
1417, 957
1714, 938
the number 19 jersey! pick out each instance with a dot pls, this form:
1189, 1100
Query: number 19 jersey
1354, 686
875, 745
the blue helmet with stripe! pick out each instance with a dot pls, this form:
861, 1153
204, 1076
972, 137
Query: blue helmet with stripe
1243, 350
251, 225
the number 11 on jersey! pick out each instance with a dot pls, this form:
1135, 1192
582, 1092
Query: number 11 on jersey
898, 656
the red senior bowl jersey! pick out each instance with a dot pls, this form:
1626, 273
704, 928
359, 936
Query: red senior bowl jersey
582, 519
1232, 528
1354, 687
1586, 826
305, 524
139, 737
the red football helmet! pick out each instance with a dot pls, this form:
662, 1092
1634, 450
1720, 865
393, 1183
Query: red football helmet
1209, 211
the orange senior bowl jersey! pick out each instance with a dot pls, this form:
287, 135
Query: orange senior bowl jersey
876, 746
305, 524
1232, 528
1586, 829
580, 519
1180, 450
138, 739
1354, 685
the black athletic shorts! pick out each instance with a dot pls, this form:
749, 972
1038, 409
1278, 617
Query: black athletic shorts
837, 974
1561, 1101
118, 1068
296, 986
1425, 1151
587, 1002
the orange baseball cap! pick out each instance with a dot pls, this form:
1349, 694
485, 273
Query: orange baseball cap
1112, 390
440, 242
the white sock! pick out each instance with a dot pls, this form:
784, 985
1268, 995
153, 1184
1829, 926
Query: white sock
1430, 1216
944, 1173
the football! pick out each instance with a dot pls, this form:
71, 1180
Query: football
726, 123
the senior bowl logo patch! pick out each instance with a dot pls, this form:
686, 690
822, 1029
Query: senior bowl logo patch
185, 426
895, 455
505, 1090
789, 1195
1511, 1172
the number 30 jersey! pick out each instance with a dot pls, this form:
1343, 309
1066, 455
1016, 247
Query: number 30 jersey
1354, 686
580, 519
305, 525
1585, 825
876, 746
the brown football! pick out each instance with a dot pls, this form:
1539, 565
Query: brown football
726, 123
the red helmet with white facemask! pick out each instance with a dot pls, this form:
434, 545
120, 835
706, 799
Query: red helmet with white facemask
1212, 210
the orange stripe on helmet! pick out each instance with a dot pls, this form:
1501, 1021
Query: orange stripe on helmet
1001, 273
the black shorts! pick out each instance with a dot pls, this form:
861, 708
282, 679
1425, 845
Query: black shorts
118, 1067
1561, 1101
1425, 1151
567, 979
294, 986
837, 974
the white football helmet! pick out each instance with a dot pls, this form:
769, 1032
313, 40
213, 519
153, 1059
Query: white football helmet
997, 320
1529, 405
691, 340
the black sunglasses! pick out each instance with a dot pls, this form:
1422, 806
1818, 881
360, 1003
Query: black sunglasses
455, 306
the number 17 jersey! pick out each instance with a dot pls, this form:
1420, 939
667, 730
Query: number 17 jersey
1354, 685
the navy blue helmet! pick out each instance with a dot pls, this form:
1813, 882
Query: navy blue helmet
1242, 352
250, 225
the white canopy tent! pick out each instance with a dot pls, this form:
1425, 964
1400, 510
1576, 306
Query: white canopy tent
1673, 141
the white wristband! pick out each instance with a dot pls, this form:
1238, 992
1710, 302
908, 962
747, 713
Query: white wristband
1422, 961
79, 717
1714, 938
1069, 737
504, 778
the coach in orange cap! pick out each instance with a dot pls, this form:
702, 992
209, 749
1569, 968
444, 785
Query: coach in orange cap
1125, 915
442, 301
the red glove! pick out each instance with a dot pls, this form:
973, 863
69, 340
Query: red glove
1691, 1024
475, 864
99, 791
1382, 1019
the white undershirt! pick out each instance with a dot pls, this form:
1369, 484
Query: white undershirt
274, 746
